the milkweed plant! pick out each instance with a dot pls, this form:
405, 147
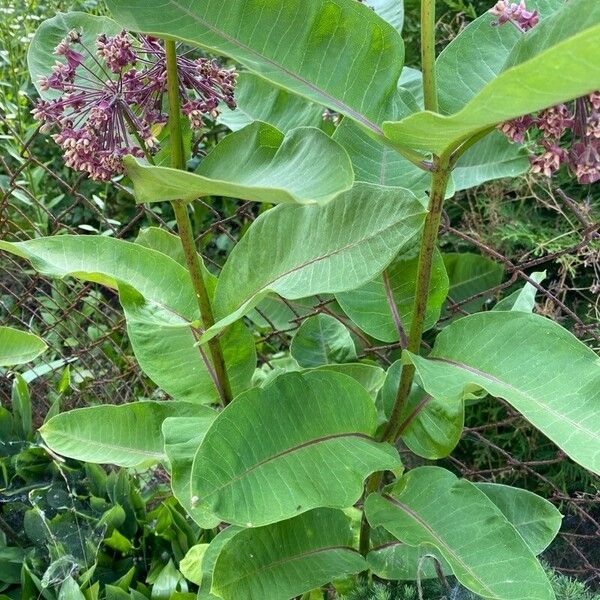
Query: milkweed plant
291, 471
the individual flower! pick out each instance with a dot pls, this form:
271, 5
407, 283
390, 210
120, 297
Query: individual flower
108, 109
585, 161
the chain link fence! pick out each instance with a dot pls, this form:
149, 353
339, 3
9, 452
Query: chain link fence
84, 327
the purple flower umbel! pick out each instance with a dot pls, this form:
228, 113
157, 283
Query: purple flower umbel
111, 100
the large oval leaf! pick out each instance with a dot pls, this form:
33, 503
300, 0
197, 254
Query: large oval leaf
157, 297
19, 347
339, 54
541, 369
430, 507
369, 306
293, 434
257, 163
562, 44
284, 560
299, 251
127, 435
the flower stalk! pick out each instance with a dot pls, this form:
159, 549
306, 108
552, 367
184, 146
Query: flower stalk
184, 227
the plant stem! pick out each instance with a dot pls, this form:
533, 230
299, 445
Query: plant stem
439, 181
184, 227
428, 54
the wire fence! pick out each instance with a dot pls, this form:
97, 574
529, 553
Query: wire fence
84, 328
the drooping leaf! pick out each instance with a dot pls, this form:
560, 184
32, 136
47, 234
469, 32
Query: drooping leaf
538, 367
259, 100
257, 163
191, 564
127, 435
430, 507
562, 43
292, 433
391, 559
536, 519
18, 347
431, 428
524, 299
322, 340
369, 307
471, 274
167, 304
298, 251
41, 57
363, 54
183, 436
478, 54
284, 560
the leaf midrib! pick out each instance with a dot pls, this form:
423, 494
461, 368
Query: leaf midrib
268, 285
287, 451
559, 416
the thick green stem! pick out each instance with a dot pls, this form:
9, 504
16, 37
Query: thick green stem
428, 54
439, 181
184, 227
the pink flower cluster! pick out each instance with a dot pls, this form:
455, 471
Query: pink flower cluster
564, 134
516, 14
110, 100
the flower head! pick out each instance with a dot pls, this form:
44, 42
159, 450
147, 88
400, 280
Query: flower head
108, 110
515, 129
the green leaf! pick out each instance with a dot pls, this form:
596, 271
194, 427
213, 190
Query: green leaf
371, 377
183, 436
168, 243
431, 428
69, 590
524, 299
298, 251
41, 57
394, 560
259, 100
322, 340
284, 560
477, 55
493, 157
536, 519
430, 507
369, 308
562, 43
362, 53
538, 367
471, 274
19, 347
391, 11
127, 435
304, 166
164, 302
191, 564
210, 558
292, 433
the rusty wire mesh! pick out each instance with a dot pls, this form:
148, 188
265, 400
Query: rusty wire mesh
68, 315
